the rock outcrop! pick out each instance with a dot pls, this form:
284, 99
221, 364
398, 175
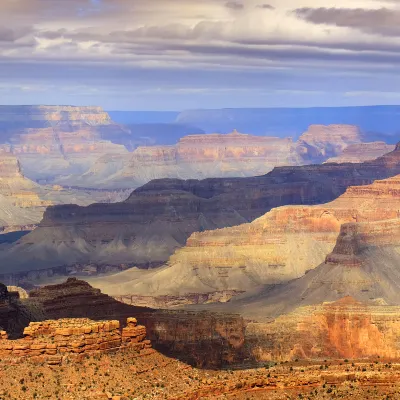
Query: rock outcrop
159, 217
54, 140
345, 329
363, 265
54, 341
321, 142
201, 338
219, 155
360, 152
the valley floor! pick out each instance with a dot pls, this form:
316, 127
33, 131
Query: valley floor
123, 375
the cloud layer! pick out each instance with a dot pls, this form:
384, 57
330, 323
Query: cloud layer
175, 54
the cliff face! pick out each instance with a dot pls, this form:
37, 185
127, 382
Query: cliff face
363, 265
360, 152
279, 246
159, 217
218, 155
53, 140
342, 329
205, 339
321, 142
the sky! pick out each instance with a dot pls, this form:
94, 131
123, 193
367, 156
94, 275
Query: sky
187, 54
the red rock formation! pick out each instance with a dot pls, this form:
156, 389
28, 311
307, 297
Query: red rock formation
205, 339
53, 341
342, 329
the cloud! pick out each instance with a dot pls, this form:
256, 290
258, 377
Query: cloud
381, 21
266, 6
182, 47
234, 5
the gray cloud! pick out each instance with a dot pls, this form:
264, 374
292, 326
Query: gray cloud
266, 6
234, 5
381, 21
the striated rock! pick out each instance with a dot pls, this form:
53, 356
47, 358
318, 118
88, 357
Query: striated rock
275, 248
363, 265
54, 140
159, 217
218, 155
203, 338
54, 341
360, 152
321, 142
342, 329
194, 156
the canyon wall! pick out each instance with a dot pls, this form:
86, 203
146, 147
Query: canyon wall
54, 341
54, 140
201, 338
280, 246
345, 329
219, 155
160, 216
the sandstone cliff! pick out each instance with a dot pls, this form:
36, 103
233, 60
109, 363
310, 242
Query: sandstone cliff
342, 329
363, 264
202, 338
219, 155
54, 140
159, 217
277, 247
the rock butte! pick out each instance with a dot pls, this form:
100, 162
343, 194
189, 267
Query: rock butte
219, 155
54, 341
159, 217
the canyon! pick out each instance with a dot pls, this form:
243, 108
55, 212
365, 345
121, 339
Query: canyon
23, 202
159, 217
225, 155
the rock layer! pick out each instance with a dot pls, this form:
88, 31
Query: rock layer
53, 140
159, 217
342, 329
275, 248
219, 155
202, 338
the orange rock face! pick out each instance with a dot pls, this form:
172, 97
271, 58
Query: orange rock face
342, 329
54, 340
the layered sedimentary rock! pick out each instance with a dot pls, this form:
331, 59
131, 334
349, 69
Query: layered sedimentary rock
219, 155
54, 140
199, 337
360, 152
321, 142
363, 265
275, 248
23, 202
194, 156
159, 217
54, 341
342, 329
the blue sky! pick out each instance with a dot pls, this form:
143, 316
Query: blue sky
174, 55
